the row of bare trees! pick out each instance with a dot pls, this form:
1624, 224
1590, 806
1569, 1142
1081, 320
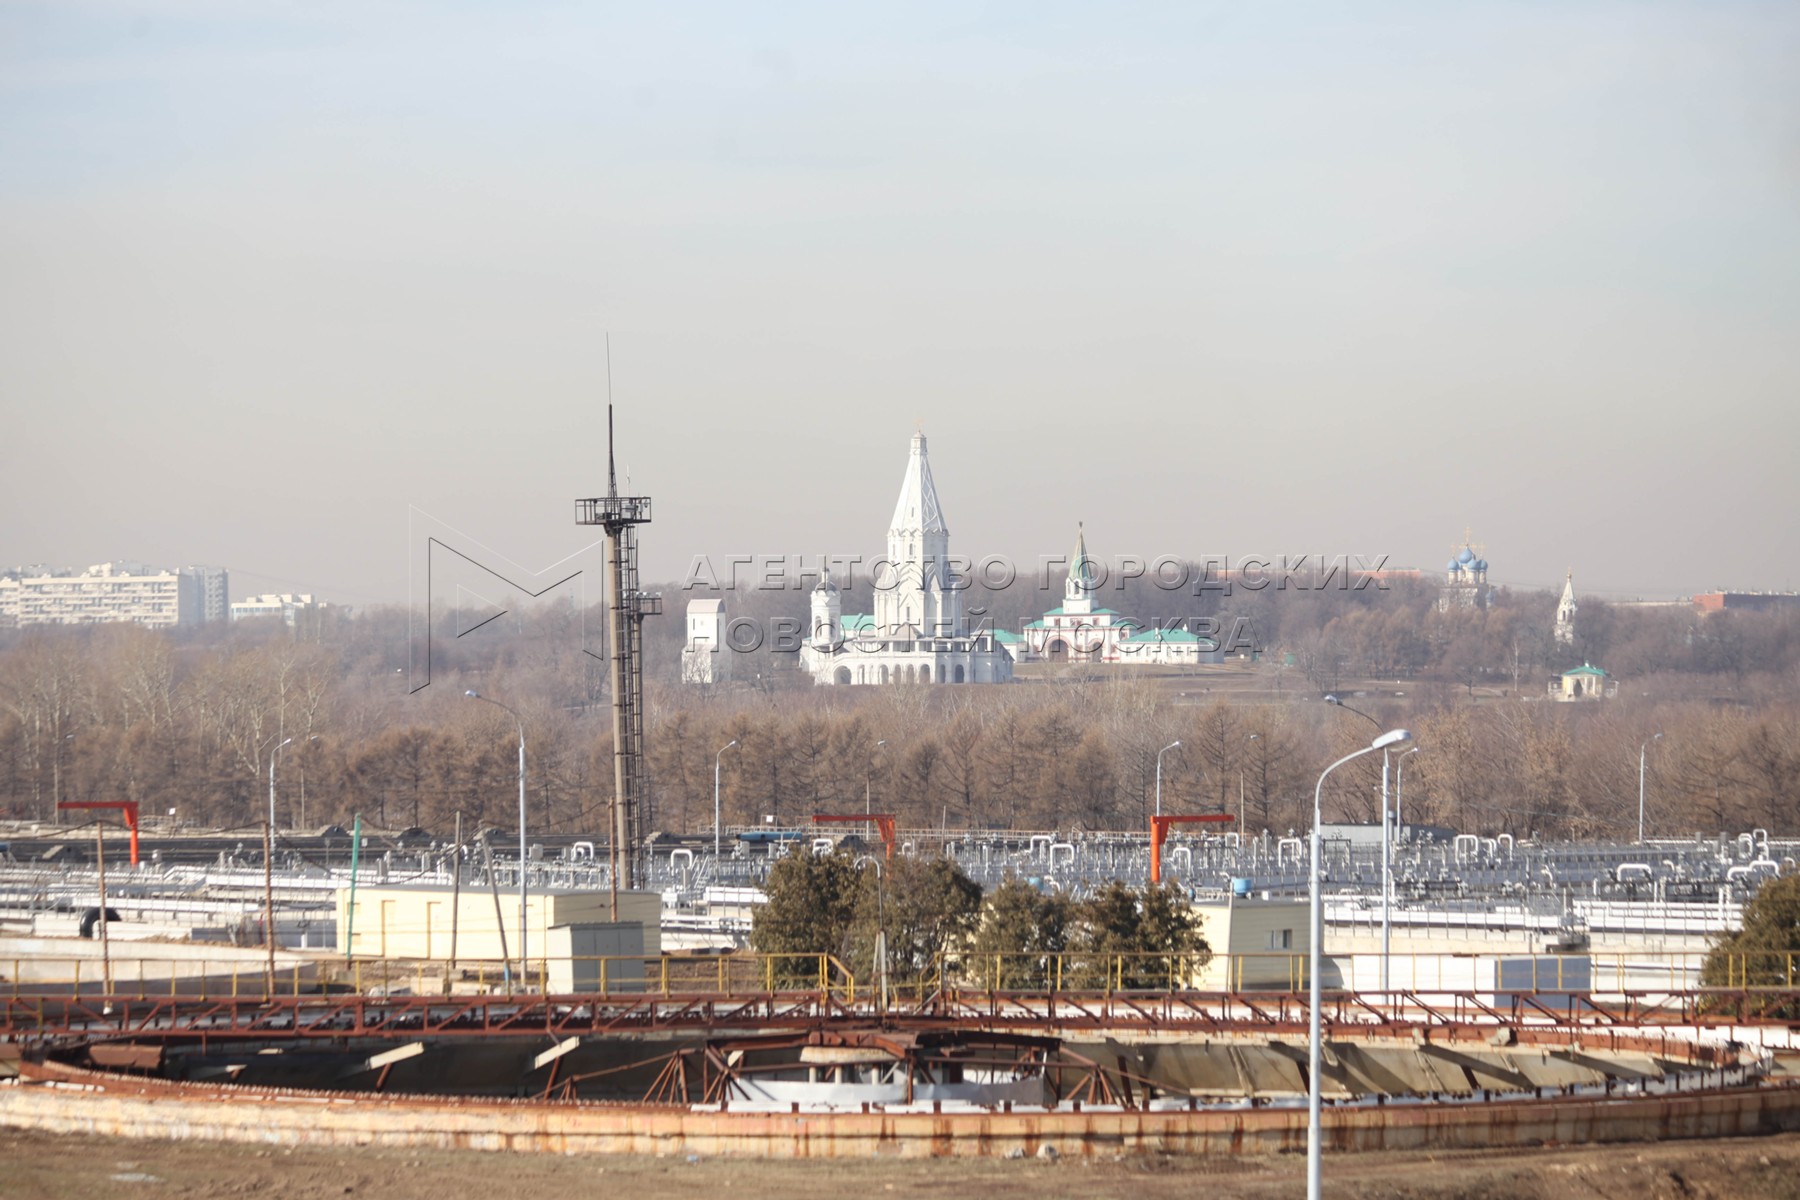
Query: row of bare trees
192, 724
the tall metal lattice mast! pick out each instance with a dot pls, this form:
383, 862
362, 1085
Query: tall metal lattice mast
626, 608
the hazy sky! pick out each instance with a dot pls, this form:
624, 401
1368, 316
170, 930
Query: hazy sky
1215, 279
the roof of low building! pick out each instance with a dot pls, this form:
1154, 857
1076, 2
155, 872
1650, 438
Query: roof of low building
1161, 635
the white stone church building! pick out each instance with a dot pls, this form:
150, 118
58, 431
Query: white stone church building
917, 633
1079, 630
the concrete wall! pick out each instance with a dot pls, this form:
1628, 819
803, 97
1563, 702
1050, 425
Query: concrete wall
40, 964
115, 1107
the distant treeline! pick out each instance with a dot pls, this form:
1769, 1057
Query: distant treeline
189, 721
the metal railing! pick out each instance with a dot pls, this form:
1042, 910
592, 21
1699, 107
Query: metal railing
153, 977
740, 974
1600, 972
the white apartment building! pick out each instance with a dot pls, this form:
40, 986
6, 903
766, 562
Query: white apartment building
287, 605
113, 591
210, 593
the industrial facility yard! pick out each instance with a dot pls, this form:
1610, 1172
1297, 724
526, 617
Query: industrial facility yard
1554, 997
43, 1166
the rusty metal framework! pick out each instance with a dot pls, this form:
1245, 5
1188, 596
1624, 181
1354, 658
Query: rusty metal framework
98, 1018
714, 1070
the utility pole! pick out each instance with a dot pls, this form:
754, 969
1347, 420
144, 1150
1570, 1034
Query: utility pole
487, 854
269, 903
524, 859
105, 941
455, 899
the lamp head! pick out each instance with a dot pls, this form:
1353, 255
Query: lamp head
472, 694
1392, 737
1331, 699
729, 745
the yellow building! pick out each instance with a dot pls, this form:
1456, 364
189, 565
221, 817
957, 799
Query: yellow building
417, 921
1257, 945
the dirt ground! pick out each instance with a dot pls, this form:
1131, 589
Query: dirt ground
64, 1167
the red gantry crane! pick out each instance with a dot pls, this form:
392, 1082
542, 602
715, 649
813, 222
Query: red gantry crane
884, 825
1159, 833
128, 807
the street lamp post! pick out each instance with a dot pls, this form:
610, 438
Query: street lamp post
1387, 868
1315, 1058
524, 959
868, 770
277, 750
1643, 751
1400, 783
1387, 876
1172, 745
56, 781
272, 756
716, 822
1241, 808
881, 954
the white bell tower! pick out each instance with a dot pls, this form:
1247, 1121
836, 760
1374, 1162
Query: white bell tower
915, 593
1565, 612
827, 612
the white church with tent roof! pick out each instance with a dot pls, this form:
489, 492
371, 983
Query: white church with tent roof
917, 633
1082, 631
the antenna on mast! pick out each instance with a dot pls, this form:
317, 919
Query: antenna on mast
612, 474
627, 606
